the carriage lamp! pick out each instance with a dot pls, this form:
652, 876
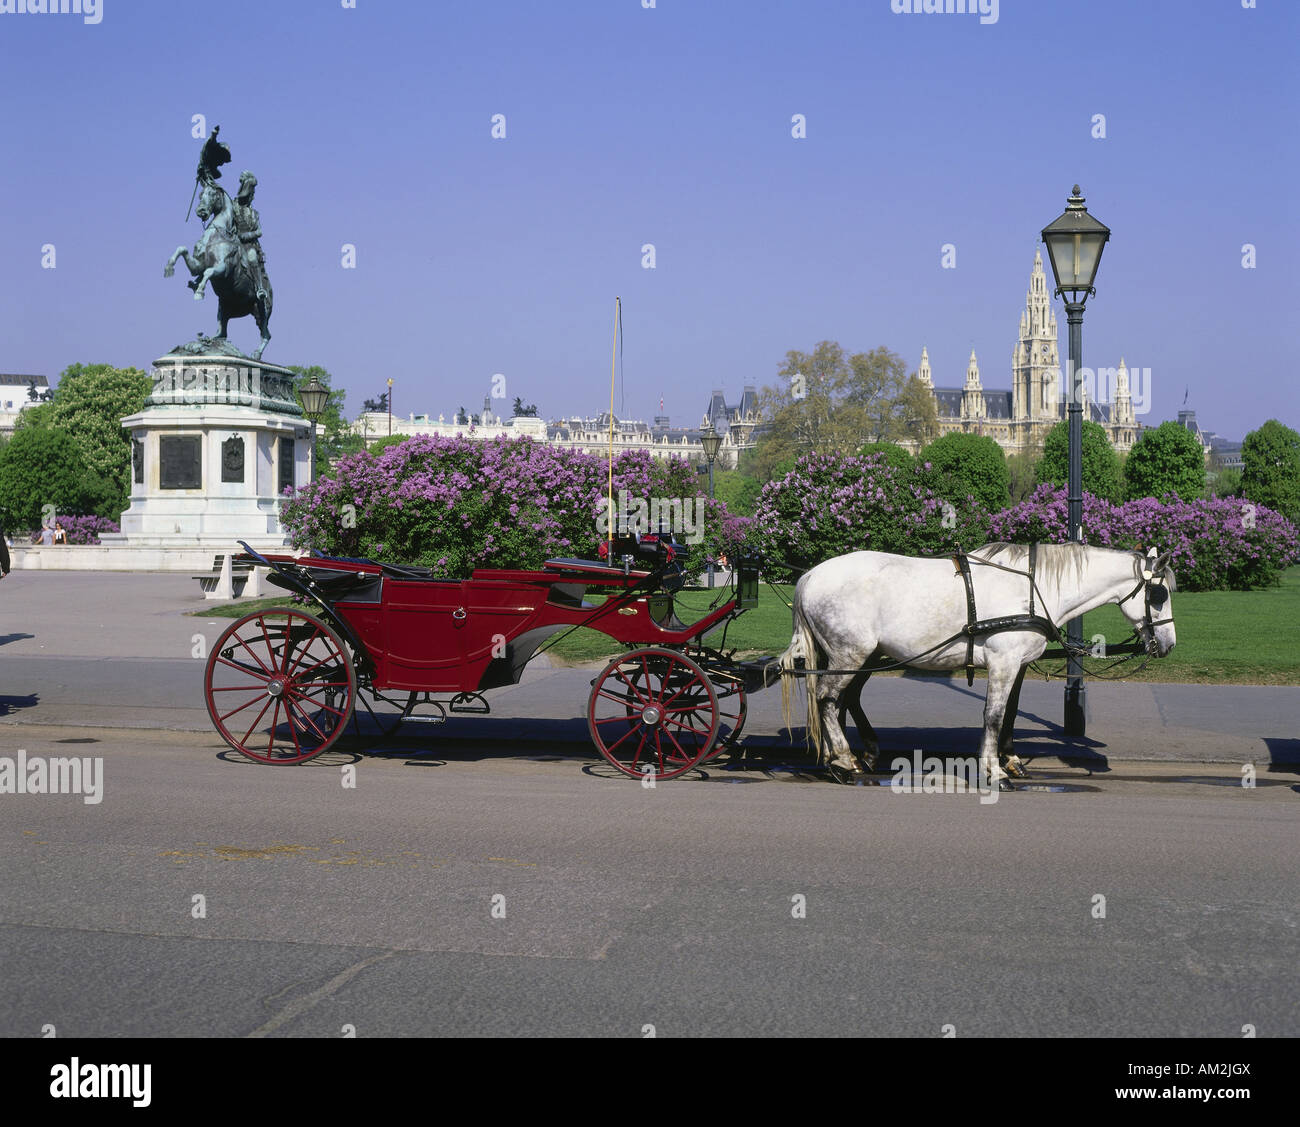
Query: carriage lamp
711, 440
1075, 241
314, 397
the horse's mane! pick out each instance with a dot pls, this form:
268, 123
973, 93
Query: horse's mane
1054, 560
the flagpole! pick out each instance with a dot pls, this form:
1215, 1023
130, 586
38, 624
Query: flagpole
613, 361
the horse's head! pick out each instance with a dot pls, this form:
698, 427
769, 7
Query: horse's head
1149, 606
211, 202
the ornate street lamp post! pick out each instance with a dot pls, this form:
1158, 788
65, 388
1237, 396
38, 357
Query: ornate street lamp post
711, 440
314, 397
1074, 243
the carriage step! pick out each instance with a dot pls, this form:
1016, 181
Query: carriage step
424, 719
469, 703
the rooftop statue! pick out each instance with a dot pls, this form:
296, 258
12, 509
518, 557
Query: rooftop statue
229, 252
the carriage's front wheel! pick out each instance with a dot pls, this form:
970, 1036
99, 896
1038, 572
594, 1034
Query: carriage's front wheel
654, 712
280, 687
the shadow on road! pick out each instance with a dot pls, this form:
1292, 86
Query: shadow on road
1283, 755
10, 705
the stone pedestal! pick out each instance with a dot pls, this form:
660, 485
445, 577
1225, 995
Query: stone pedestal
218, 440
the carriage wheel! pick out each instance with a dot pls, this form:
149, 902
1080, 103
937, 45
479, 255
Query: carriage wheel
653, 710
280, 686
732, 709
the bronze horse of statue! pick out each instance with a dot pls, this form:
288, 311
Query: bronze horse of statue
218, 257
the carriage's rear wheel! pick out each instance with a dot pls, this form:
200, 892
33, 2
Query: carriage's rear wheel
280, 686
653, 711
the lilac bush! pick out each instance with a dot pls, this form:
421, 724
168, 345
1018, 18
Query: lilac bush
830, 504
82, 530
454, 504
1222, 543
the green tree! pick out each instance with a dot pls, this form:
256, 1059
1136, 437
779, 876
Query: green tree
35, 415
1225, 481
89, 404
1101, 472
39, 466
334, 436
894, 405
738, 491
1270, 473
892, 453
1022, 475
1165, 460
971, 464
828, 401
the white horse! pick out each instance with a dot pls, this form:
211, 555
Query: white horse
873, 607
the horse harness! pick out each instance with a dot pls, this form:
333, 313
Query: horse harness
975, 625
1030, 621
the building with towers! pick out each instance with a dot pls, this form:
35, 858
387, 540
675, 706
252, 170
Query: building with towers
1019, 418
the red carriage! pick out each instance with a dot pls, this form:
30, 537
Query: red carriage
282, 685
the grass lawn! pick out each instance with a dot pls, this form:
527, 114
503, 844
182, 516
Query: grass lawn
1237, 637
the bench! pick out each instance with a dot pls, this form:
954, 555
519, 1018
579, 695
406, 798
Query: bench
211, 583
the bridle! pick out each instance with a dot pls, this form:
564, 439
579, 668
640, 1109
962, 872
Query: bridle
1146, 629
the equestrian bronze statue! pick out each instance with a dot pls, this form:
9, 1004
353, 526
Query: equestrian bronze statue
229, 253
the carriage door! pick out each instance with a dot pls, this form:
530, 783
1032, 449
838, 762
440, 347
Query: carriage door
424, 620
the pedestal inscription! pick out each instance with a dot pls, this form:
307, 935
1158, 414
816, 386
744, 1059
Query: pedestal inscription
286, 463
180, 462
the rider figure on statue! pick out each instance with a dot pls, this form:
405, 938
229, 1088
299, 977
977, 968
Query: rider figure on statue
248, 223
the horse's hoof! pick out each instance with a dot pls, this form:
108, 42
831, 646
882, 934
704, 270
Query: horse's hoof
855, 778
1005, 785
1015, 767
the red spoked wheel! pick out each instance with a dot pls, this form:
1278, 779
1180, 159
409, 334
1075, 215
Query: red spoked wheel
653, 711
732, 710
280, 686
729, 687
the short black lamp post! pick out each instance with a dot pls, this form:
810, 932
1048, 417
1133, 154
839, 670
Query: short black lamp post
711, 440
314, 397
1074, 244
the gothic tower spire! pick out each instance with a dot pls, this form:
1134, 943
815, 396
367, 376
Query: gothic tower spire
1035, 362
972, 395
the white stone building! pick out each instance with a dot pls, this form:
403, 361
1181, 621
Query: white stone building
591, 434
15, 394
1019, 418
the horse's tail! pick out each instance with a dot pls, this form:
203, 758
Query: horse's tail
803, 646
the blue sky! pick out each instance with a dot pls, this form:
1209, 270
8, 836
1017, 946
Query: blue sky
671, 125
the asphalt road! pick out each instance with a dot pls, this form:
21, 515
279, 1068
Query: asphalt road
325, 906
371, 907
